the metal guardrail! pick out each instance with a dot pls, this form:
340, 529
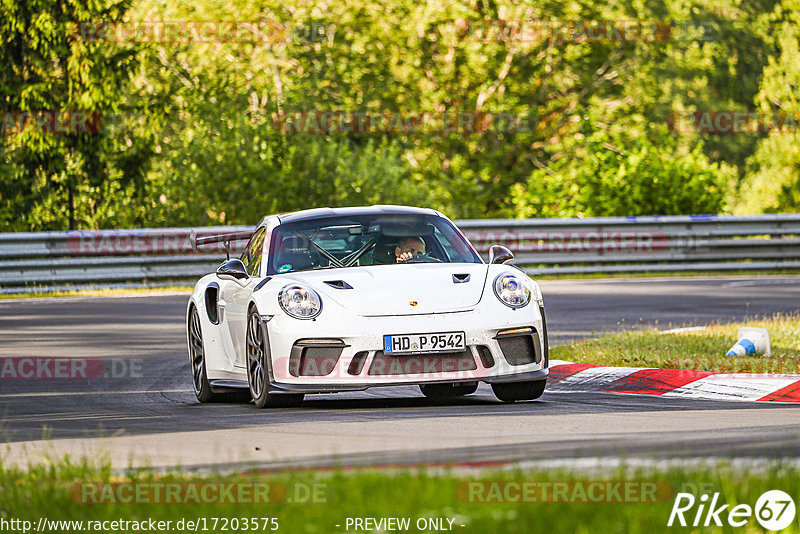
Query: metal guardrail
48, 260
51, 260
640, 244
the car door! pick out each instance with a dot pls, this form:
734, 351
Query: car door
235, 297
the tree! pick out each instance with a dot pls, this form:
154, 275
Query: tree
613, 177
54, 70
773, 184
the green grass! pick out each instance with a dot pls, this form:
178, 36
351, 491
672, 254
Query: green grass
45, 491
668, 274
702, 350
100, 292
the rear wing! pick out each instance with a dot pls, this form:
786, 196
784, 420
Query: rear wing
225, 239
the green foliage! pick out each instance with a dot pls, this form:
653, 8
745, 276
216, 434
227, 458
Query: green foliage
773, 185
238, 174
192, 136
476, 500
613, 176
60, 180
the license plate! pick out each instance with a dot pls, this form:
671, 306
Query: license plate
415, 343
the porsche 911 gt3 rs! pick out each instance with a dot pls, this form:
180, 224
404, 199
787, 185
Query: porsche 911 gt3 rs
334, 300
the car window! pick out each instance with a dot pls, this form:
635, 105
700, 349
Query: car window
453, 243
251, 257
361, 240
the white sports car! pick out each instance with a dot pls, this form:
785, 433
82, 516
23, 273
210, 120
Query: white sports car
332, 300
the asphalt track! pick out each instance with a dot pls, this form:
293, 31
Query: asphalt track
148, 416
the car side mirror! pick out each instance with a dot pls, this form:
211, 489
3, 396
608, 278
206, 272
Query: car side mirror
500, 254
232, 270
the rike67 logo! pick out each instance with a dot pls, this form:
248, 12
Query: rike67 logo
774, 510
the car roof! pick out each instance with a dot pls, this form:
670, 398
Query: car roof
318, 213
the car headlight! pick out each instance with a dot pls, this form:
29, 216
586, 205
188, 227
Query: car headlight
299, 301
512, 290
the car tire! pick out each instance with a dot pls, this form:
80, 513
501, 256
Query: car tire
258, 368
439, 391
197, 361
519, 391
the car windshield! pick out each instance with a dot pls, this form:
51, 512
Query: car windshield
359, 240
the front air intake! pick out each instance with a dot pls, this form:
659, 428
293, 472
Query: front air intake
420, 364
314, 357
521, 349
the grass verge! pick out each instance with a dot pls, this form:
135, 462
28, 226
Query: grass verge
482, 501
667, 274
702, 350
100, 292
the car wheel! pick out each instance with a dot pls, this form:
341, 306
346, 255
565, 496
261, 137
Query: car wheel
258, 368
518, 391
197, 359
438, 391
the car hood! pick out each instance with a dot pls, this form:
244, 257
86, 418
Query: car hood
409, 289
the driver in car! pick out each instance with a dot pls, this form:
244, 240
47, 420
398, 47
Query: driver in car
408, 248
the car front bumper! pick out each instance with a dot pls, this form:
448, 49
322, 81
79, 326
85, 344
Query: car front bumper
353, 359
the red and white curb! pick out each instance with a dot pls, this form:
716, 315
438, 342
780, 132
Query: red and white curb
674, 382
